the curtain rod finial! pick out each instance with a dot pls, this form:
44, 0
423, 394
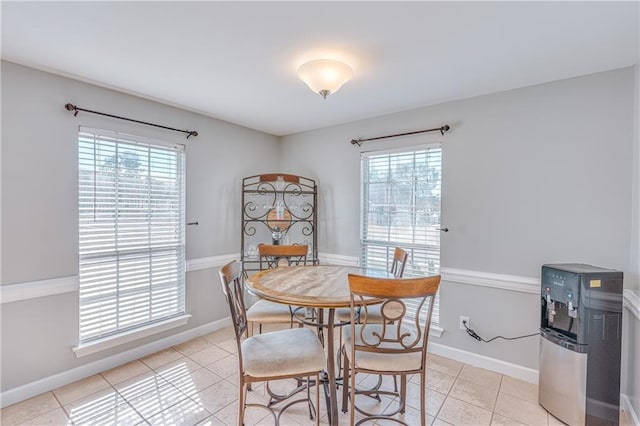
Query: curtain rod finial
72, 107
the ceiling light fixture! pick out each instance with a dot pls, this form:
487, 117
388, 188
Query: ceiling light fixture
325, 76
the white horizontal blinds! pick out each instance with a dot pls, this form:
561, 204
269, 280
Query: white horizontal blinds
131, 226
401, 193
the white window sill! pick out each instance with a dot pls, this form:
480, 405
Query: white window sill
129, 336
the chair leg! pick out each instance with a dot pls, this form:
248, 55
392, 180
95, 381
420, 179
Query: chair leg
423, 397
241, 401
345, 381
403, 392
352, 394
317, 399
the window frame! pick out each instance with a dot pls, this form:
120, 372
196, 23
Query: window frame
388, 244
172, 239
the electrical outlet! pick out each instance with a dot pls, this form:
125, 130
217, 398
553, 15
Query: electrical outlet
464, 320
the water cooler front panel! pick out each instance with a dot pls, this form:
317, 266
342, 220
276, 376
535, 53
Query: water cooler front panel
580, 326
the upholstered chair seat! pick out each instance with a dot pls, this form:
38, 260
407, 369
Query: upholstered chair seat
377, 361
274, 256
264, 312
282, 353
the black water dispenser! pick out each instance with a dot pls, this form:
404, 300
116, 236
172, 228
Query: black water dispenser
581, 329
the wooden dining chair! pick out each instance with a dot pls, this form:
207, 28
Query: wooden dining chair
273, 256
291, 353
398, 264
395, 346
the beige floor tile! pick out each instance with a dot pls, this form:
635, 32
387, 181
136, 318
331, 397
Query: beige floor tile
444, 365
220, 335
480, 376
192, 346
185, 412
28, 409
209, 355
228, 345
122, 415
434, 399
159, 398
88, 407
125, 372
499, 420
438, 381
520, 388
225, 367
299, 413
216, 396
56, 417
178, 367
194, 381
478, 395
411, 416
80, 389
438, 422
518, 409
253, 415
215, 421
460, 413
139, 385
160, 358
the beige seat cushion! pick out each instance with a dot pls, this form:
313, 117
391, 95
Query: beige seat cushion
295, 351
264, 311
395, 362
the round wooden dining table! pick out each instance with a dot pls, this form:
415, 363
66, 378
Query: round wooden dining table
323, 287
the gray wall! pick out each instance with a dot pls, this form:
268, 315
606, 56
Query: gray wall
521, 168
39, 213
631, 332
530, 176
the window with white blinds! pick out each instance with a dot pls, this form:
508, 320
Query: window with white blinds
131, 228
400, 206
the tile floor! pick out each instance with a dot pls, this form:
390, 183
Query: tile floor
196, 383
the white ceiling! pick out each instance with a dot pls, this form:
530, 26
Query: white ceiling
237, 61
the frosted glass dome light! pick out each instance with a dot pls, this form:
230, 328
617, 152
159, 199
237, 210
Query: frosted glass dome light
325, 76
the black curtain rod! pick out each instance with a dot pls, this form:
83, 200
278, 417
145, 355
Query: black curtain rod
71, 107
442, 130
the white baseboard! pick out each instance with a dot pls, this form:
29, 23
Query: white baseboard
47, 384
625, 404
514, 370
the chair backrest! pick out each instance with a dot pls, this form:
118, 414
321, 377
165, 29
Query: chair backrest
399, 262
272, 256
397, 333
231, 278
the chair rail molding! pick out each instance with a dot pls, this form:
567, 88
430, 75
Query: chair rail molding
631, 301
338, 259
33, 289
50, 287
489, 279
